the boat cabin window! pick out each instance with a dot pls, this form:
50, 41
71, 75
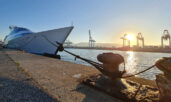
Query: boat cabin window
20, 29
16, 30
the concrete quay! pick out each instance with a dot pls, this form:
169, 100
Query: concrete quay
17, 86
54, 79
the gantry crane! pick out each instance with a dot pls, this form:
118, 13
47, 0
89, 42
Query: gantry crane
124, 40
91, 41
166, 36
141, 38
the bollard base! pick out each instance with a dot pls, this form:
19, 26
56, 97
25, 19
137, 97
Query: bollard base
123, 89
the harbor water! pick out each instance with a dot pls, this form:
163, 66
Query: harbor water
135, 61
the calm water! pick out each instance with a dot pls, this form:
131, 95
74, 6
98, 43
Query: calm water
135, 61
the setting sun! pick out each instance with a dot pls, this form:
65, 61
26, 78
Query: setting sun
130, 37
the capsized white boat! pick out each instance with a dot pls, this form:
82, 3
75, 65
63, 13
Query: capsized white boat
38, 43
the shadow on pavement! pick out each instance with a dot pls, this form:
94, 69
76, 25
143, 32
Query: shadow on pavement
18, 91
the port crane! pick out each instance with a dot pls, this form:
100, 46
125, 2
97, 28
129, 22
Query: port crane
124, 41
91, 41
166, 36
141, 38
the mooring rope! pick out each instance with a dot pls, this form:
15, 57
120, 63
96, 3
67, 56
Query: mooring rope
95, 64
100, 67
49, 41
139, 72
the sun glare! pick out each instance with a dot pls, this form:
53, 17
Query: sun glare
130, 37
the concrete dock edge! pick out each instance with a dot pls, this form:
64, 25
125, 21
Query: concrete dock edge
60, 79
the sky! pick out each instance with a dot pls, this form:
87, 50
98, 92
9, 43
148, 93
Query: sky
108, 20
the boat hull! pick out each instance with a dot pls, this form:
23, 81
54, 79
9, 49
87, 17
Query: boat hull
41, 42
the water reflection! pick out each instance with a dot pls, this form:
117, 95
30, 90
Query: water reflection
130, 62
135, 61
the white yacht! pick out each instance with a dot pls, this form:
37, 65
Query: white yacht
39, 43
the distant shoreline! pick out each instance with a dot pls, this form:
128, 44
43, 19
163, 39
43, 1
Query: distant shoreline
155, 50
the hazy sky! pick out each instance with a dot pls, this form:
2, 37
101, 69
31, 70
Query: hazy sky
107, 19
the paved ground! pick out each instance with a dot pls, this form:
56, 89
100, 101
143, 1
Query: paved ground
16, 86
60, 79
27, 77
